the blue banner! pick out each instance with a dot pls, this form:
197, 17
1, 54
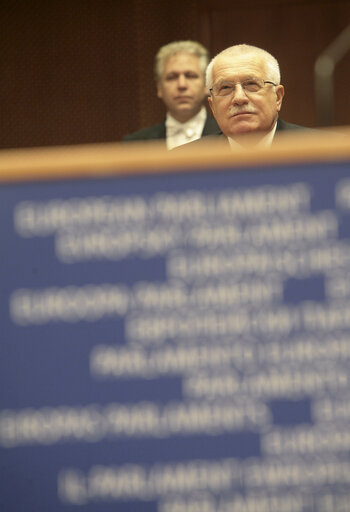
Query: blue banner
177, 342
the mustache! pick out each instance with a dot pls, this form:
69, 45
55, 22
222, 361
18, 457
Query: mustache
234, 111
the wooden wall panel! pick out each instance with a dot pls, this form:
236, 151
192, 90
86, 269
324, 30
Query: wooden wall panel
64, 71
82, 71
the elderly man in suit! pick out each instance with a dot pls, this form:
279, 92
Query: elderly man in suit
246, 95
180, 78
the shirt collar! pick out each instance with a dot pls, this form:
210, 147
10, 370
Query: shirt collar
198, 119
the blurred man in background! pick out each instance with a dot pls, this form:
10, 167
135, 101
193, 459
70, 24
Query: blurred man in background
180, 77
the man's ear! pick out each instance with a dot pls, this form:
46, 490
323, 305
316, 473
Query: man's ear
159, 91
210, 101
279, 94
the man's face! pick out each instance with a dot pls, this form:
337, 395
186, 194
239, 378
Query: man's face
242, 112
181, 86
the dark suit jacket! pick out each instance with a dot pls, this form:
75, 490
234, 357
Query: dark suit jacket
158, 131
283, 126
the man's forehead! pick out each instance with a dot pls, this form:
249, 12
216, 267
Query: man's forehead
240, 66
181, 60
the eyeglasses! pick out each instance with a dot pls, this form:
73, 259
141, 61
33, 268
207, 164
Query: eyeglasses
250, 85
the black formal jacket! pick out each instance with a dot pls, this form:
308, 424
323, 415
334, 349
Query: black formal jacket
158, 131
283, 126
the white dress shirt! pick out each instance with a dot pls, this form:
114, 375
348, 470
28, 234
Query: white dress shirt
180, 133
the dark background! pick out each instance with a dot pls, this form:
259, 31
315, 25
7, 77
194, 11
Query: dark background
81, 71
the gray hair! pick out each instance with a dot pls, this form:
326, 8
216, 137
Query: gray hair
272, 66
168, 50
